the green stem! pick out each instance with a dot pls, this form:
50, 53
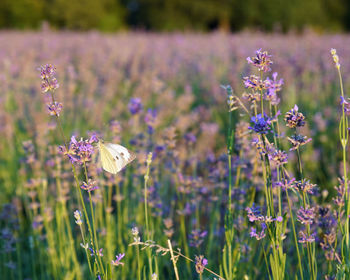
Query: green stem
344, 141
294, 233
146, 211
97, 249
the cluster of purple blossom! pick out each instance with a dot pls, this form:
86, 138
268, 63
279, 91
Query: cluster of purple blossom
79, 152
49, 83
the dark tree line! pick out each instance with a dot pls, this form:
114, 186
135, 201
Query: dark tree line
169, 15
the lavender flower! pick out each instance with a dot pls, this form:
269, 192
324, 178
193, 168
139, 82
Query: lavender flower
279, 157
255, 83
304, 186
150, 119
306, 238
261, 124
118, 259
285, 183
89, 186
135, 106
327, 222
266, 149
54, 108
79, 151
294, 118
346, 104
306, 216
335, 58
273, 86
339, 199
279, 219
92, 253
135, 234
197, 237
77, 216
201, 263
297, 141
47, 75
261, 60
252, 96
190, 138
260, 235
254, 214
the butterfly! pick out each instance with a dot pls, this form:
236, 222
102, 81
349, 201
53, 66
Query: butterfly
114, 157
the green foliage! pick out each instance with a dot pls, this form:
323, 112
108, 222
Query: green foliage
169, 15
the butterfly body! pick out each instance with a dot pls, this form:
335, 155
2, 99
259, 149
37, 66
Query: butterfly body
114, 157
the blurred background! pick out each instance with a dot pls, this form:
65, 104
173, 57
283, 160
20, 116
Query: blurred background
171, 15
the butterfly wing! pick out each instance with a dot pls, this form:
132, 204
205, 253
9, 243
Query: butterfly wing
121, 155
107, 159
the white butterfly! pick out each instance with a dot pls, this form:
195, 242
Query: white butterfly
114, 157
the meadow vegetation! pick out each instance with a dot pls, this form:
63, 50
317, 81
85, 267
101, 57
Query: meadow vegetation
241, 146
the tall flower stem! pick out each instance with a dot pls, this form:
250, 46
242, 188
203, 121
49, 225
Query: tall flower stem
295, 235
146, 178
97, 250
344, 141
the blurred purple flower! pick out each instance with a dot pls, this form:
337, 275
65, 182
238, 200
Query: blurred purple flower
190, 138
135, 106
92, 253
150, 119
285, 183
305, 238
254, 213
273, 86
260, 235
326, 221
306, 216
89, 186
118, 259
54, 108
197, 237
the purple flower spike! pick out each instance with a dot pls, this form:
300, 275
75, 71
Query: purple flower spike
306, 216
261, 124
118, 259
89, 186
150, 120
47, 75
294, 118
261, 60
54, 108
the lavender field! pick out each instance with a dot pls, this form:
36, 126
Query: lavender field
240, 172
